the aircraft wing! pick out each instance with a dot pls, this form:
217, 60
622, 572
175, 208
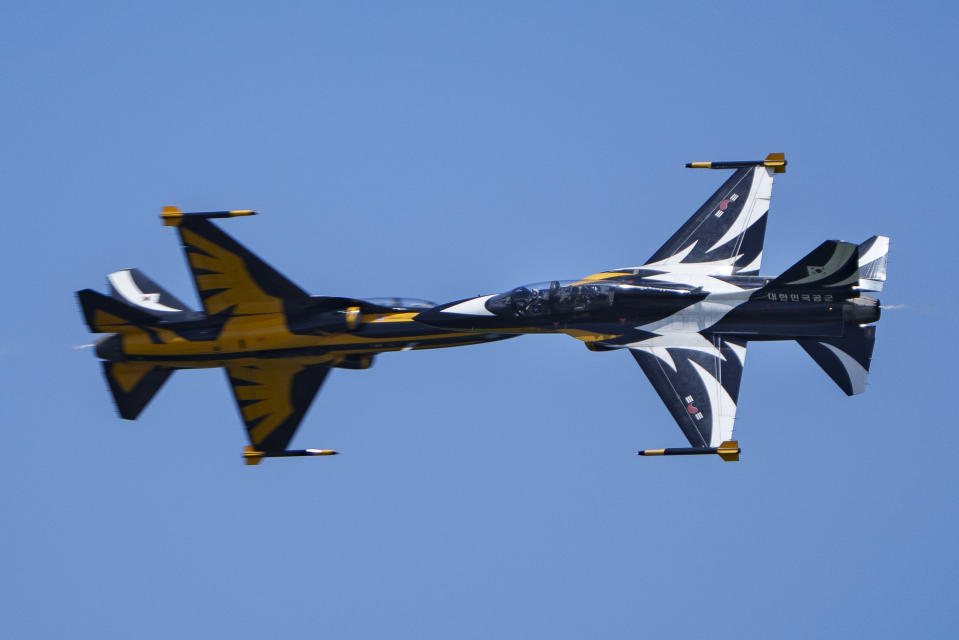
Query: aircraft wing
698, 382
273, 397
229, 277
730, 228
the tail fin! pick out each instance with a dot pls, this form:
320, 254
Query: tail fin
833, 265
872, 263
134, 287
846, 360
108, 315
133, 385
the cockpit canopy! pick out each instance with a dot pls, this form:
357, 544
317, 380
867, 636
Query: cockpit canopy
557, 297
401, 303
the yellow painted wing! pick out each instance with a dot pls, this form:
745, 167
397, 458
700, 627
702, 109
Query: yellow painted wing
228, 276
273, 397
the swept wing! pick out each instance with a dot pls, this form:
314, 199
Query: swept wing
273, 397
699, 384
730, 227
230, 278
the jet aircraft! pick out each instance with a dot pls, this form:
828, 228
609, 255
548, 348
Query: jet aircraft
688, 314
276, 343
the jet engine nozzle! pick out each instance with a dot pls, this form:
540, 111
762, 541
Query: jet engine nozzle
110, 347
355, 361
861, 310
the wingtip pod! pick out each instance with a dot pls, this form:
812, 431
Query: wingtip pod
252, 456
728, 451
774, 161
173, 217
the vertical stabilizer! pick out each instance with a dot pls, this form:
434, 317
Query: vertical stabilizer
136, 288
833, 265
872, 263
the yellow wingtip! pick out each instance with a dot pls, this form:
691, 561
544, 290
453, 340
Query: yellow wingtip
251, 456
171, 215
729, 451
776, 161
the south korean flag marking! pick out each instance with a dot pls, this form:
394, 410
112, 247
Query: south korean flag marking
725, 204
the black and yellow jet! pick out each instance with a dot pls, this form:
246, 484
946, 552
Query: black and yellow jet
276, 342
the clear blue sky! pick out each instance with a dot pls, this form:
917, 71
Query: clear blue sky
442, 150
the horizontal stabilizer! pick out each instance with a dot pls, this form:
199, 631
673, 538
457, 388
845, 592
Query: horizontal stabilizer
872, 263
846, 360
830, 266
133, 385
104, 314
135, 287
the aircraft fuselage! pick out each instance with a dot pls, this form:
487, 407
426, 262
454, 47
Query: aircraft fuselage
195, 341
615, 313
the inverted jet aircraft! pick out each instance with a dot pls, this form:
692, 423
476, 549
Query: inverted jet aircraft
276, 343
689, 313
